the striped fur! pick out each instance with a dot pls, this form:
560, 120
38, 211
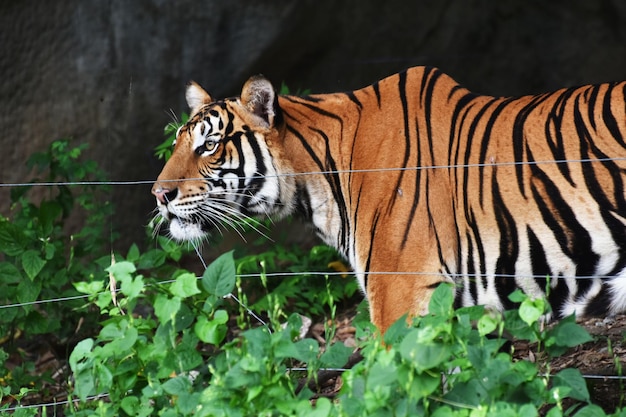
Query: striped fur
486, 200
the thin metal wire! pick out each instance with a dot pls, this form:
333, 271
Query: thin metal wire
63, 402
311, 274
309, 173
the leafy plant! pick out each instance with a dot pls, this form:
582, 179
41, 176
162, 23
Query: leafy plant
40, 257
176, 357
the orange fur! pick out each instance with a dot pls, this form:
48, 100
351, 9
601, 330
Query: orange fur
461, 211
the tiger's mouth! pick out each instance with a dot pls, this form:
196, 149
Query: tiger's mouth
182, 229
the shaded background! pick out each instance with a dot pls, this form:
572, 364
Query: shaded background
108, 72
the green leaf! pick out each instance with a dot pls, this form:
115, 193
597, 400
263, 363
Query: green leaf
121, 270
152, 259
382, 374
81, 352
441, 301
9, 274
91, 288
572, 379
28, 290
132, 287
424, 356
336, 355
593, 410
219, 278
48, 212
487, 324
133, 253
32, 263
568, 333
12, 238
177, 386
130, 405
531, 310
306, 350
211, 331
185, 286
424, 384
166, 308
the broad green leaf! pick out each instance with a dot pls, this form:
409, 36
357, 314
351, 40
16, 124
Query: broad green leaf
132, 287
130, 405
441, 301
133, 254
572, 379
210, 331
306, 350
219, 277
177, 386
166, 308
382, 374
152, 259
9, 274
12, 238
487, 324
531, 310
424, 384
121, 270
92, 288
424, 356
593, 410
79, 355
185, 286
568, 333
336, 355
28, 290
48, 212
32, 263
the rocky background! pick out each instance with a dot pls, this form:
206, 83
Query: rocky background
108, 72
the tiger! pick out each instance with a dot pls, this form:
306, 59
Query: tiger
417, 181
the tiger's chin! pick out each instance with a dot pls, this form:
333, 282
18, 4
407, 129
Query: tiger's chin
185, 231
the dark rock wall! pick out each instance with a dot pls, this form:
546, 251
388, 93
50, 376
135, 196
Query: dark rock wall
108, 72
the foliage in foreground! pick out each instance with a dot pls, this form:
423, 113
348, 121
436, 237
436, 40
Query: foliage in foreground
179, 362
40, 258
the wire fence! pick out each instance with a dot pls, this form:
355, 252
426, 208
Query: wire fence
306, 273
325, 172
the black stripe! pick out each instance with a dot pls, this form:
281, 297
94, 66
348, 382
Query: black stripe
609, 118
407, 134
599, 305
484, 145
572, 237
371, 248
557, 296
509, 246
519, 139
376, 88
335, 185
557, 144
353, 98
471, 270
468, 151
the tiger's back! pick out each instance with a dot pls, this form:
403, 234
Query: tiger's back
417, 181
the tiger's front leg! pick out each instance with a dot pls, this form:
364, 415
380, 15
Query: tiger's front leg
393, 295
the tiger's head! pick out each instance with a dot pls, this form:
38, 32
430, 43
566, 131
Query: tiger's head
226, 165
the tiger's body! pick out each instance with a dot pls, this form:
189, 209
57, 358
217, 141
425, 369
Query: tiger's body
418, 181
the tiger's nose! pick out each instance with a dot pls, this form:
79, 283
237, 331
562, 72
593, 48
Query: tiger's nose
164, 195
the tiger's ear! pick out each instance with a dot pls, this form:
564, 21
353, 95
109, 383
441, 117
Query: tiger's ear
196, 97
258, 97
